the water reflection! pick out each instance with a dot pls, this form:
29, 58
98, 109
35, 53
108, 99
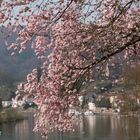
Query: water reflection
19, 131
129, 126
88, 128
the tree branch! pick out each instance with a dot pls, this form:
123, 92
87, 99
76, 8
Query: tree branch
134, 40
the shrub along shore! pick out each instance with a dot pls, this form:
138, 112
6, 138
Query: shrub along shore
11, 115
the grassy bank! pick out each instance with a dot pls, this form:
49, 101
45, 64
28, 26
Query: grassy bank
11, 115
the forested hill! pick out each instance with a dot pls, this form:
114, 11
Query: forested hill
18, 65
14, 68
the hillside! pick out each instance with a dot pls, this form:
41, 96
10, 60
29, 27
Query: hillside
14, 68
18, 65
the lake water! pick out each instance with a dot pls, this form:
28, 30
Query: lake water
88, 128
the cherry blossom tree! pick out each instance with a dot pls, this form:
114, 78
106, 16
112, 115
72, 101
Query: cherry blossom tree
80, 36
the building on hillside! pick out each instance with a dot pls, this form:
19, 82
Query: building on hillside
6, 103
17, 103
91, 106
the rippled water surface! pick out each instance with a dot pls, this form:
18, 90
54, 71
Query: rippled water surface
87, 128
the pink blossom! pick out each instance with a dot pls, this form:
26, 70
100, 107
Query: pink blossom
73, 45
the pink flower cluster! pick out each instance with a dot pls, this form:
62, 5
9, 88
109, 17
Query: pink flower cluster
72, 41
